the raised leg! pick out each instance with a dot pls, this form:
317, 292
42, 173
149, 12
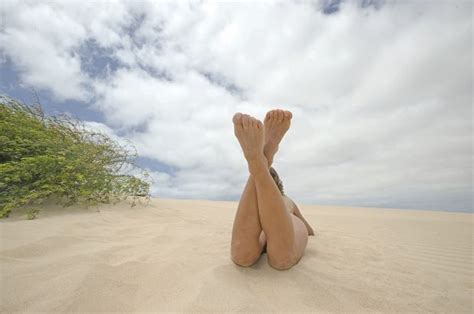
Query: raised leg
287, 235
248, 239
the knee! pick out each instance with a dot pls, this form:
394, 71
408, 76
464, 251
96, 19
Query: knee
244, 255
283, 262
244, 260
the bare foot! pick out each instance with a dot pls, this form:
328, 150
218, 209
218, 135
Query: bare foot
250, 133
276, 123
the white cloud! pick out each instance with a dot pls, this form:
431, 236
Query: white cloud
40, 51
381, 98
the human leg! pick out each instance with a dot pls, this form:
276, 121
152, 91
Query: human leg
247, 242
248, 239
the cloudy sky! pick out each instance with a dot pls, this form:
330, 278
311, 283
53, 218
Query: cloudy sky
381, 91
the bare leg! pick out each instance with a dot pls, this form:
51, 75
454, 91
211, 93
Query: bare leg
287, 235
248, 239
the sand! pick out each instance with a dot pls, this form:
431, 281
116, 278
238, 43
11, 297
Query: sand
173, 256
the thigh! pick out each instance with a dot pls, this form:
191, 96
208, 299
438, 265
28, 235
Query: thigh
301, 236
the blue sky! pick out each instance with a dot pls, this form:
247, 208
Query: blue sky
381, 91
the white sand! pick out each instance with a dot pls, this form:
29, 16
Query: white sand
174, 256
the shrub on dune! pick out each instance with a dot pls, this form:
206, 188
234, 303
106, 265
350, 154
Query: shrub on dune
44, 157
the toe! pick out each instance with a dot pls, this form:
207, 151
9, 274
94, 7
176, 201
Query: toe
274, 114
255, 122
259, 124
246, 121
251, 122
280, 115
237, 118
268, 116
288, 115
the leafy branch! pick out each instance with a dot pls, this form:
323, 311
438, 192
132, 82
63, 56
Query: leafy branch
43, 157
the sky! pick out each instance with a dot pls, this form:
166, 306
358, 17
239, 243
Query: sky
380, 91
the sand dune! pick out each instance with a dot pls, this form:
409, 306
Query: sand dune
173, 255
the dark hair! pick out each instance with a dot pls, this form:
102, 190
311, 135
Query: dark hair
277, 180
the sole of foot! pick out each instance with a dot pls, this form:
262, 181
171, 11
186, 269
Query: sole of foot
251, 135
276, 124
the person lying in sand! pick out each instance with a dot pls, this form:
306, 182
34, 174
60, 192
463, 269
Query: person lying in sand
266, 219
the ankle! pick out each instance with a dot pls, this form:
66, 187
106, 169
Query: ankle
269, 151
269, 160
258, 165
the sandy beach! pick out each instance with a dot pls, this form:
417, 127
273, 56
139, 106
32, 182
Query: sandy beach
173, 256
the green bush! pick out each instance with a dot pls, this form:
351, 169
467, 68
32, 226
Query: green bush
58, 157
